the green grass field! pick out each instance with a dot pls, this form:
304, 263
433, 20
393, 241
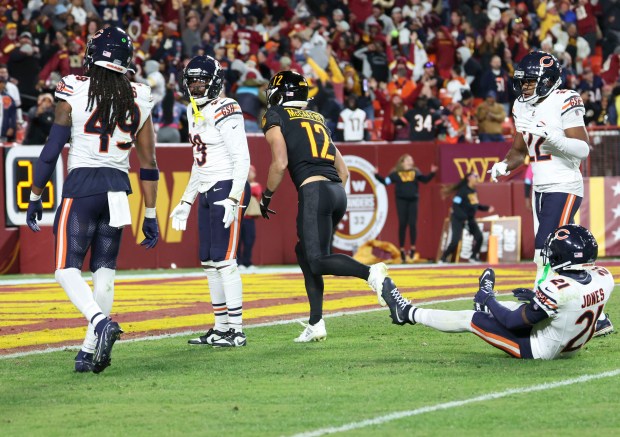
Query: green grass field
367, 368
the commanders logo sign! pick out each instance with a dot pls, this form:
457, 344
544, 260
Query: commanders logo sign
367, 206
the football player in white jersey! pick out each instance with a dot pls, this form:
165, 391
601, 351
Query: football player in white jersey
101, 115
551, 130
219, 173
558, 318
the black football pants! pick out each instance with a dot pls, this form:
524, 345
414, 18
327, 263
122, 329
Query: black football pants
322, 205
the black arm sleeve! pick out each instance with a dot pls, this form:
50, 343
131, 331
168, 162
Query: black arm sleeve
483, 207
424, 178
380, 178
525, 316
527, 188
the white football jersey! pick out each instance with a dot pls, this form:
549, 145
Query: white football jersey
353, 124
553, 171
220, 145
573, 310
89, 147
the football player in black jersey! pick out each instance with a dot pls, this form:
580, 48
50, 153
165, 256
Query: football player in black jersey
301, 142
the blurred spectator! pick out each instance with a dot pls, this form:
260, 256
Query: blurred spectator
496, 79
456, 85
470, 68
154, 79
78, 12
592, 109
12, 90
444, 46
586, 22
251, 97
8, 115
394, 109
422, 120
57, 66
248, 224
59, 20
463, 213
490, 115
375, 61
401, 82
458, 129
40, 120
23, 65
592, 83
8, 42
168, 115
352, 122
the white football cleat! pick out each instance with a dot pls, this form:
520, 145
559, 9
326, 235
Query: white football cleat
378, 273
312, 332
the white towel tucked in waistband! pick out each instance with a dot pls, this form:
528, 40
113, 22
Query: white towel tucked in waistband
119, 209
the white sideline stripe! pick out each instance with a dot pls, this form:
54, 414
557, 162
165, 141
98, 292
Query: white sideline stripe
447, 405
250, 325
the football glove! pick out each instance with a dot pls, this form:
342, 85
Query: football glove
499, 169
480, 300
230, 211
34, 213
179, 215
150, 229
523, 294
264, 206
533, 127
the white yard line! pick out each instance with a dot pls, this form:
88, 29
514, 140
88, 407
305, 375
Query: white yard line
447, 405
249, 325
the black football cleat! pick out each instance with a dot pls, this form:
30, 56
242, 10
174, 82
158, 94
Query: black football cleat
399, 306
208, 339
84, 362
103, 352
231, 339
603, 327
486, 283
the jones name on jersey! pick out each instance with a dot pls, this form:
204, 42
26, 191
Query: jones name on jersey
573, 308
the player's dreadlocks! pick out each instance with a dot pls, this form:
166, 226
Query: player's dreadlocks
112, 95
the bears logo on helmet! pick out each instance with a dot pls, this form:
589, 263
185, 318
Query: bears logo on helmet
570, 247
287, 88
110, 48
203, 79
539, 67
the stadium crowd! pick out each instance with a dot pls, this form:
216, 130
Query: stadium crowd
379, 70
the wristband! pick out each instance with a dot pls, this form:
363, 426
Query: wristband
149, 174
150, 213
34, 197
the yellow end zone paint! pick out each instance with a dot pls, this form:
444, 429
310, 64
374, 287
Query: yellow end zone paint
183, 303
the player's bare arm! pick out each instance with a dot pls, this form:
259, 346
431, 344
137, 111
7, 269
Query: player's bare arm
145, 147
514, 158
279, 158
517, 153
341, 168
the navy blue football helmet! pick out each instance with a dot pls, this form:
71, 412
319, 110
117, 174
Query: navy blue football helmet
287, 88
207, 70
109, 48
570, 247
541, 67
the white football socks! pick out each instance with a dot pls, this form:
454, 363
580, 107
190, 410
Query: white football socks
218, 299
233, 288
103, 284
446, 321
80, 294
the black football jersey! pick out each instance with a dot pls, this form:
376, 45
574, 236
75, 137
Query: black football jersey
310, 149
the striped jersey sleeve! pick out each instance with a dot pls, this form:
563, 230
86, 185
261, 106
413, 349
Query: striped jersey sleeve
228, 109
545, 297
